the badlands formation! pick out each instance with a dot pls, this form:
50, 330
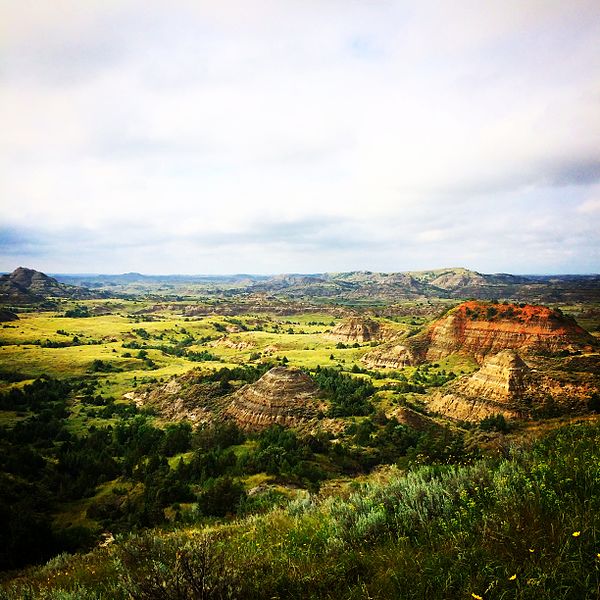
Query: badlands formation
282, 396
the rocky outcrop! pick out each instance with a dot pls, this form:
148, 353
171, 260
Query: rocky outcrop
28, 286
281, 396
410, 417
507, 385
409, 351
499, 387
360, 330
233, 343
188, 397
502, 378
7, 315
481, 329
395, 356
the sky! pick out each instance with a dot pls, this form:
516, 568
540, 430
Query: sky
299, 135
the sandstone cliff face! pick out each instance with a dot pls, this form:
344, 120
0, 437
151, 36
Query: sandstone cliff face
186, 397
281, 396
395, 356
481, 329
506, 385
503, 378
499, 387
357, 329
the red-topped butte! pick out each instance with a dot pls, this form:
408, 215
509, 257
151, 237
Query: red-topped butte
480, 329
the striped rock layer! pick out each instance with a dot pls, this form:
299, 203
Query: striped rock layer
282, 396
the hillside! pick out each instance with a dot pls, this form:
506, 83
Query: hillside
506, 385
361, 286
522, 526
286, 397
480, 329
28, 286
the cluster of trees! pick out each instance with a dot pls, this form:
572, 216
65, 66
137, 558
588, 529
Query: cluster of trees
421, 378
43, 393
349, 395
78, 312
179, 348
342, 346
43, 465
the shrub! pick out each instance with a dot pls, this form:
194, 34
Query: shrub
220, 497
494, 423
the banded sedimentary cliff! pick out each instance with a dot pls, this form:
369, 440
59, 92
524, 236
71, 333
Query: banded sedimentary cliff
281, 396
499, 387
360, 330
480, 329
394, 356
507, 385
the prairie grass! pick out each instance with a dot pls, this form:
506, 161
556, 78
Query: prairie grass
524, 527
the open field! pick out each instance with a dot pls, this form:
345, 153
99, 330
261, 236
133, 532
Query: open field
303, 339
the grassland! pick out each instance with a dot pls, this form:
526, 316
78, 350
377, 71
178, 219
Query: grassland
303, 339
403, 531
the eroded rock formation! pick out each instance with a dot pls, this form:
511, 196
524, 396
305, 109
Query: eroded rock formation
358, 330
481, 329
499, 387
394, 356
281, 396
506, 385
186, 397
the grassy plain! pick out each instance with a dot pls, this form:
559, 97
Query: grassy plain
303, 339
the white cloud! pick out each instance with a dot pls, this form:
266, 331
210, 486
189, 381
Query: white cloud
589, 207
437, 131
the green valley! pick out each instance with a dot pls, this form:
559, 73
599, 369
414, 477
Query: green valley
220, 442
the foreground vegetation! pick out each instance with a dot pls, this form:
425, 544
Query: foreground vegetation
59, 490
522, 526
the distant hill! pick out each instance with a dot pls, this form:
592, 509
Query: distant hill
453, 283
28, 286
124, 279
358, 286
7, 315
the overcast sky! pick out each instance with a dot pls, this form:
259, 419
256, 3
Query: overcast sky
299, 135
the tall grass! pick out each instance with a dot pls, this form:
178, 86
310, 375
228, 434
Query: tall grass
524, 527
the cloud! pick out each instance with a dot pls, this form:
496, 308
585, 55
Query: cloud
330, 135
590, 207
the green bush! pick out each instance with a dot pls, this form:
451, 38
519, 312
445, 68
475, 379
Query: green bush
220, 497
